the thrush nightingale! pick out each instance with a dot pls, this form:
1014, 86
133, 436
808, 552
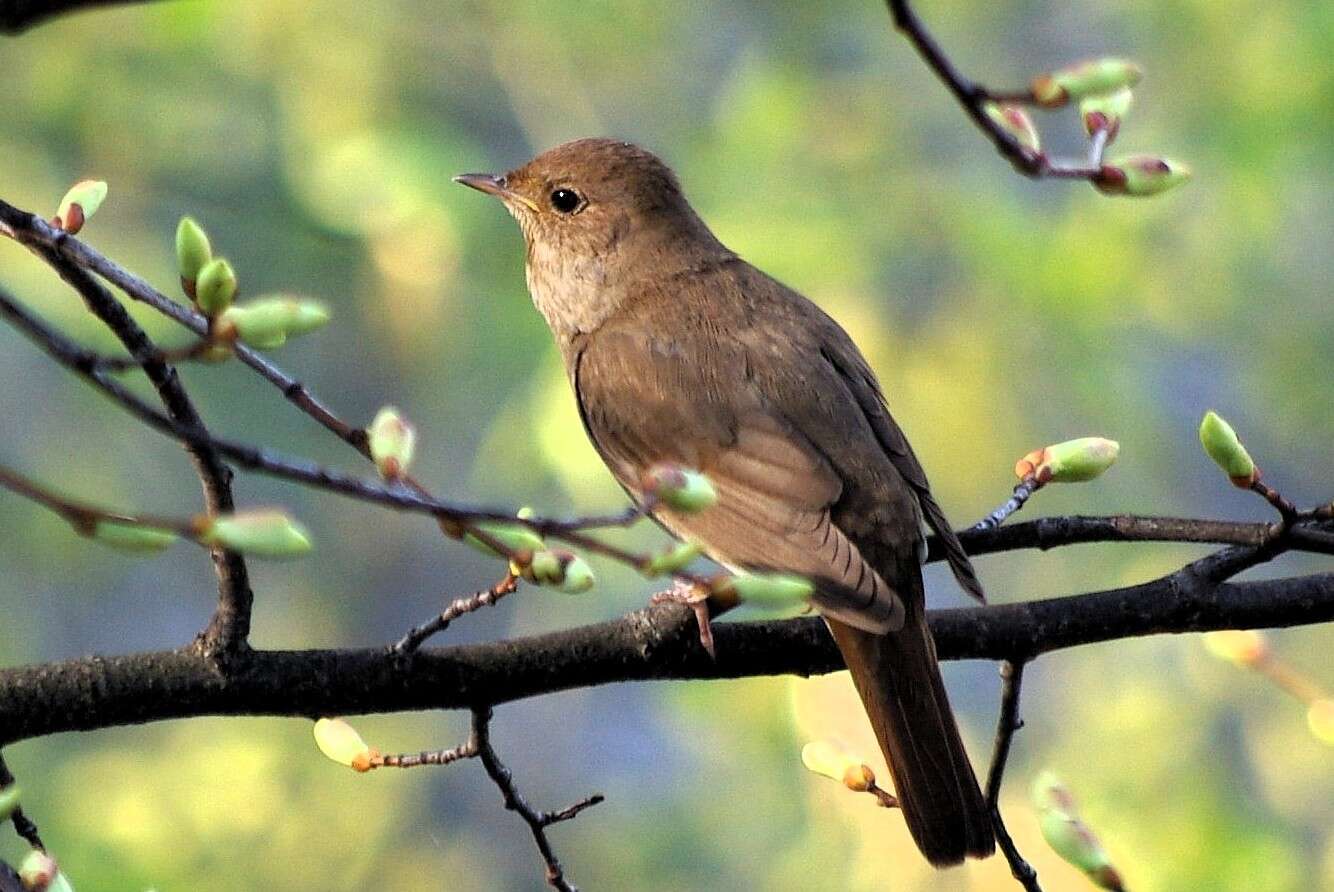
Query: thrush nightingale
680, 351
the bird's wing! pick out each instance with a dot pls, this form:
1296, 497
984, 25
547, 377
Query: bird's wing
645, 401
861, 383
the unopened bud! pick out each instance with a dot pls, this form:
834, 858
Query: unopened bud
1105, 112
215, 287
267, 323
392, 441
38, 871
80, 203
9, 801
774, 590
1085, 79
560, 570
340, 742
131, 537
673, 561
1320, 719
1068, 835
264, 533
193, 252
681, 489
824, 757
516, 538
1016, 122
1243, 647
1221, 443
1140, 175
1073, 461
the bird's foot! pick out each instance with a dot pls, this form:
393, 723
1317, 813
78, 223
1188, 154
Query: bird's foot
696, 597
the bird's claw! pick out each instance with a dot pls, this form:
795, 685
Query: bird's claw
695, 597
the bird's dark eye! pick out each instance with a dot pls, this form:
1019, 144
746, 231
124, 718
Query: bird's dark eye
566, 201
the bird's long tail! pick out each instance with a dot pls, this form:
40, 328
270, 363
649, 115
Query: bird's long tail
899, 681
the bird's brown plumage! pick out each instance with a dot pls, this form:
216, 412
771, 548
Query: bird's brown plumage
678, 350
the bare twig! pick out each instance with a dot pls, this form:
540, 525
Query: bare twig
1012, 679
537, 821
1022, 491
486, 597
467, 750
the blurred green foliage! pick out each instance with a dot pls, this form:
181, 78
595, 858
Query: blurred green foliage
315, 142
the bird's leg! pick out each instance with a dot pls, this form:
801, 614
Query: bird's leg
696, 597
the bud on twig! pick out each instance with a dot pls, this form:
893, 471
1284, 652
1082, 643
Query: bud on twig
215, 287
1220, 443
130, 537
826, 758
679, 488
774, 590
1016, 122
1140, 176
9, 801
517, 539
264, 533
1073, 461
268, 323
1105, 111
559, 569
392, 442
1242, 647
673, 561
193, 252
340, 742
38, 872
1069, 836
79, 204
1320, 719
1084, 79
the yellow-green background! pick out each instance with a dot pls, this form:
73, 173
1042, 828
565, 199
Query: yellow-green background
315, 141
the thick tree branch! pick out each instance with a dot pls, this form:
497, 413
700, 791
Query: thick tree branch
19, 15
652, 644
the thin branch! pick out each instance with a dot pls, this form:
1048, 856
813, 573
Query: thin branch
23, 825
537, 821
486, 597
973, 97
1022, 492
467, 750
1012, 680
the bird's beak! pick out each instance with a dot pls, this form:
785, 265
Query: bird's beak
493, 185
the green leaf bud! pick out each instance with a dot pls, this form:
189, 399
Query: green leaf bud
1104, 111
560, 570
215, 287
263, 533
1068, 836
341, 743
1085, 79
1016, 122
1140, 176
774, 590
132, 537
193, 252
267, 323
516, 538
38, 871
1073, 461
1222, 445
672, 561
392, 441
680, 489
79, 204
9, 801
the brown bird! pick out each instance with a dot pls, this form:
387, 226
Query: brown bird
680, 351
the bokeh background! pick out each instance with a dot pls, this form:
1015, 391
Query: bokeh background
315, 141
